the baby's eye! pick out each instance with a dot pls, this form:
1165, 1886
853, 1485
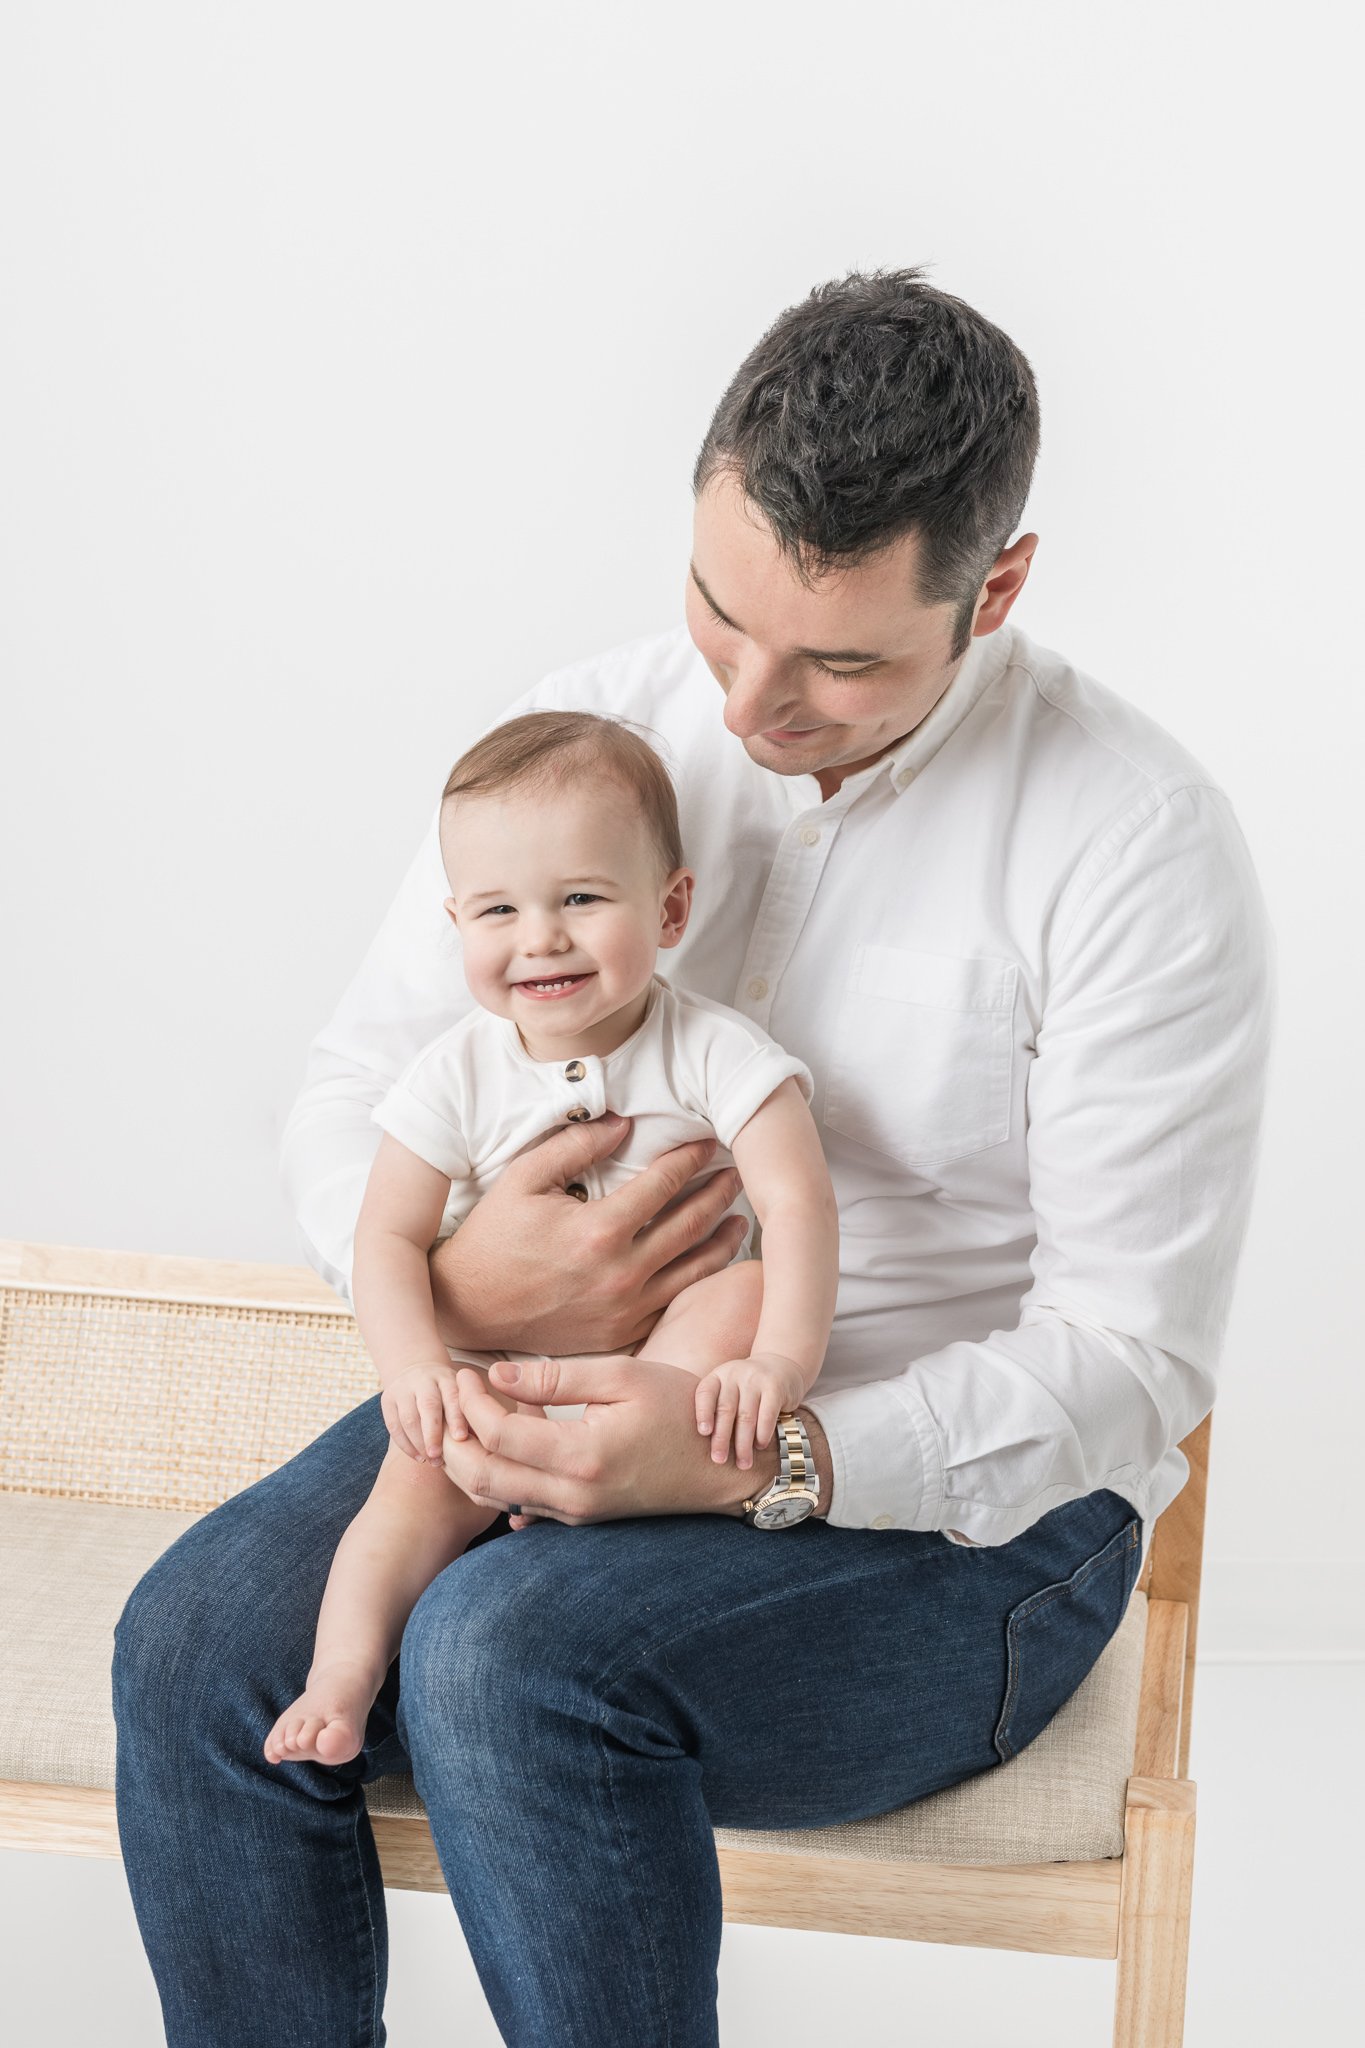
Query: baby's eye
583, 895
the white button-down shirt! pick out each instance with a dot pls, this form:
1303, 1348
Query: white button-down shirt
1026, 958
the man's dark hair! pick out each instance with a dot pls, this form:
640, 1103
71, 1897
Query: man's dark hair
875, 407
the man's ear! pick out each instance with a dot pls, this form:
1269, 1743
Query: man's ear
449, 907
1003, 584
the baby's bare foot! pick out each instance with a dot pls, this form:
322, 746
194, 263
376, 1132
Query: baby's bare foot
327, 1720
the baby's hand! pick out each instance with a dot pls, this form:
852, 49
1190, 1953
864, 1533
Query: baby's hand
747, 1394
419, 1404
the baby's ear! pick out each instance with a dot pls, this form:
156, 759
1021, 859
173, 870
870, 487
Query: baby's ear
449, 908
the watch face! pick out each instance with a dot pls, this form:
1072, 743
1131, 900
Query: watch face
781, 1513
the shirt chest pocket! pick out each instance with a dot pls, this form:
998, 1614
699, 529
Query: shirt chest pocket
922, 1067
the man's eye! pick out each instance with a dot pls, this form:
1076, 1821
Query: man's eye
823, 667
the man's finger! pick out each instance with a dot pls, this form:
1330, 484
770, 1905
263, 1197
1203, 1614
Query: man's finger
561, 1157
646, 1193
560, 1382
497, 1482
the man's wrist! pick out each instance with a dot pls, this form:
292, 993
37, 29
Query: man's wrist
452, 1319
742, 1486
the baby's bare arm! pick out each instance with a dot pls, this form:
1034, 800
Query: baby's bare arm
785, 1177
390, 1279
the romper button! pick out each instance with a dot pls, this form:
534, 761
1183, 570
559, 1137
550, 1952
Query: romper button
579, 1116
881, 1521
757, 987
577, 1190
575, 1071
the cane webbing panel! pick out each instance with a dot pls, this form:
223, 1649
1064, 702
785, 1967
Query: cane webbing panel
155, 1403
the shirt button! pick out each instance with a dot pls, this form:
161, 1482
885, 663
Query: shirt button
810, 837
757, 987
881, 1522
579, 1116
575, 1071
577, 1190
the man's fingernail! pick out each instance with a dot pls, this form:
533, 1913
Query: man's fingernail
506, 1370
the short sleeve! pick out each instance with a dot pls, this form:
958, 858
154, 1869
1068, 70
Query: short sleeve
421, 1111
742, 1067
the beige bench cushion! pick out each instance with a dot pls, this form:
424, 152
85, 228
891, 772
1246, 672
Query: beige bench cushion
69, 1565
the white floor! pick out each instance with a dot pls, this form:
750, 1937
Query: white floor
1276, 1945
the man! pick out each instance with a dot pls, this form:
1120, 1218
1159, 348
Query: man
1012, 928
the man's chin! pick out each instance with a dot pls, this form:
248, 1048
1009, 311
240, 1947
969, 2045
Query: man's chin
792, 757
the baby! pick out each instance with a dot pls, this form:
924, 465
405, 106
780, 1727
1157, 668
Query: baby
560, 840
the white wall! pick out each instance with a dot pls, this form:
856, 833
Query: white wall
352, 364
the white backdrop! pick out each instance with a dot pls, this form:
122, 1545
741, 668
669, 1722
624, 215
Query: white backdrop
352, 365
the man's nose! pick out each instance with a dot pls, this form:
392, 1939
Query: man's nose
758, 698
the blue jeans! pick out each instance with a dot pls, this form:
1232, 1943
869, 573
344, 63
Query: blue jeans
579, 1707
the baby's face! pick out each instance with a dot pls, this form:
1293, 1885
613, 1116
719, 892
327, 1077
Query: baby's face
553, 886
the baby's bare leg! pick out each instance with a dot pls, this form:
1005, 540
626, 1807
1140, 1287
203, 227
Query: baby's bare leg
712, 1320
414, 1523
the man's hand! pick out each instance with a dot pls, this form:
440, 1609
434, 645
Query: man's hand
532, 1268
635, 1450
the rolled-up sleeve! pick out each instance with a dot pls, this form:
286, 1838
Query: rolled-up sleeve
1144, 1099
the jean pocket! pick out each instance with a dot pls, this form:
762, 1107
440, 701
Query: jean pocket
1054, 1637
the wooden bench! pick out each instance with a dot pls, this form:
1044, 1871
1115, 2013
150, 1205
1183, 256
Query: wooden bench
137, 1393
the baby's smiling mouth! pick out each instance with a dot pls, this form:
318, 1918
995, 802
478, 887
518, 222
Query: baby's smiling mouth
551, 984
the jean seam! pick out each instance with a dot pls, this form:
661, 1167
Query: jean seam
362, 1815
636, 1890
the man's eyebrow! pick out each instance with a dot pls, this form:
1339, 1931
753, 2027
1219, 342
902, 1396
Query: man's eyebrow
815, 653
569, 882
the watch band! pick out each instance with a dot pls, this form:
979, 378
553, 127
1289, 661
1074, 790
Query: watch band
796, 1478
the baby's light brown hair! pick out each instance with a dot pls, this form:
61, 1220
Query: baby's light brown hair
561, 749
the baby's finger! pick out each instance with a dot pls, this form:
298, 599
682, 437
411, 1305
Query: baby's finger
744, 1432
726, 1408
393, 1422
769, 1408
411, 1420
454, 1413
432, 1410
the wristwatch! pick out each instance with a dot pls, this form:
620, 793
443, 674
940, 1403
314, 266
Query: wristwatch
795, 1493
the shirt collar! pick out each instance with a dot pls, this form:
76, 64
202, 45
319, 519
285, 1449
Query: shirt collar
985, 660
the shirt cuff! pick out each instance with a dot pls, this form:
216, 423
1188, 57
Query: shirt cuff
886, 1454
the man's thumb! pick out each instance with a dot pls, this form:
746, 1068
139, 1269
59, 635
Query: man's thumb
563, 1152
557, 1382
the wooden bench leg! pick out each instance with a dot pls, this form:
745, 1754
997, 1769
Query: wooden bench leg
1154, 1913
